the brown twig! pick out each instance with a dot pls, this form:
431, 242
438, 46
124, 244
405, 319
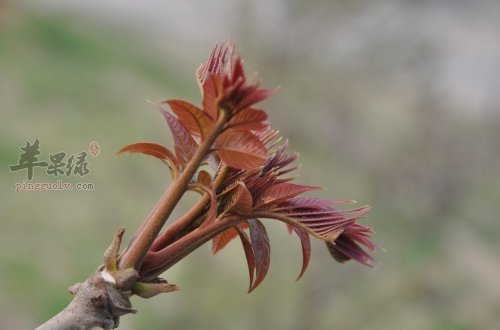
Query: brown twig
134, 256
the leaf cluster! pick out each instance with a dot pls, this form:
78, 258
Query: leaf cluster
241, 168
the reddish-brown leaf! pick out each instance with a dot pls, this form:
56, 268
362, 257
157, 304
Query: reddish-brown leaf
305, 242
261, 250
281, 192
220, 241
212, 90
248, 119
152, 149
241, 150
347, 245
185, 145
200, 76
204, 178
336, 253
254, 95
196, 121
327, 226
237, 68
249, 253
309, 202
241, 201
268, 136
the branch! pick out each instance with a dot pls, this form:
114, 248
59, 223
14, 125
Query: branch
101, 299
96, 303
170, 255
178, 226
134, 256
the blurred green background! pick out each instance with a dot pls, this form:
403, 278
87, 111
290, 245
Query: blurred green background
392, 103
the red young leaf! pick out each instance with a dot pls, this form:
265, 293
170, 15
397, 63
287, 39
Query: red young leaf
241, 150
248, 119
249, 253
185, 145
361, 234
241, 201
220, 241
336, 253
237, 69
282, 192
224, 83
218, 63
309, 202
345, 248
212, 208
261, 250
152, 149
200, 72
212, 89
196, 121
204, 178
305, 242
337, 223
268, 136
327, 224
347, 245
254, 95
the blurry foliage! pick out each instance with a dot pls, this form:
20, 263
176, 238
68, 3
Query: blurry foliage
373, 120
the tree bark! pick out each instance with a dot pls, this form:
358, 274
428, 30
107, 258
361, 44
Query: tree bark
97, 302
